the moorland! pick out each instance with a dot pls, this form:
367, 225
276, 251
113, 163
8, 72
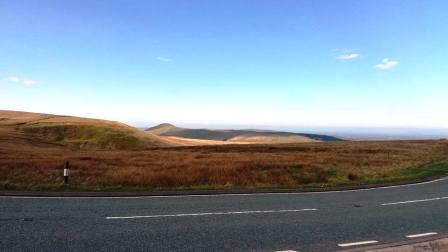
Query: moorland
111, 156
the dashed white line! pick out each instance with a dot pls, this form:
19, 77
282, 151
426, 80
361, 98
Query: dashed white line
414, 201
286, 251
421, 235
211, 213
344, 245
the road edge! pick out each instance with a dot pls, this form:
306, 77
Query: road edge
216, 192
415, 241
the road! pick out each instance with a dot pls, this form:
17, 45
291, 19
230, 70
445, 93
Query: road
253, 222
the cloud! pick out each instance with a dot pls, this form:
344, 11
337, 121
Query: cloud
22, 81
13, 79
350, 56
29, 82
387, 64
164, 59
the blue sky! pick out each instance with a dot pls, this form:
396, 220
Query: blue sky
378, 63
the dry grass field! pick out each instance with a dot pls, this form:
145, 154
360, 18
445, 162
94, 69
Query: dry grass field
109, 156
74, 132
39, 167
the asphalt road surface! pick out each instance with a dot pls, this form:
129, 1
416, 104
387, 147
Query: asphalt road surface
254, 222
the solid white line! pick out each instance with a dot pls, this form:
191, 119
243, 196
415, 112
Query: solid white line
414, 201
421, 235
210, 213
343, 245
223, 194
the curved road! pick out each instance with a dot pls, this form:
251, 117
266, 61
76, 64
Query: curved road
246, 222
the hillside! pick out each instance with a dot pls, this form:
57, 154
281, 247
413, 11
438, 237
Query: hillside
44, 129
34, 147
237, 136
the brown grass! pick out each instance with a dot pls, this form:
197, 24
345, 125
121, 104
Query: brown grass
182, 141
27, 166
248, 138
69, 130
33, 148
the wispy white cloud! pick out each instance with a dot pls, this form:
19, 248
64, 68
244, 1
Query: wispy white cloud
29, 82
387, 64
164, 59
13, 79
22, 81
350, 56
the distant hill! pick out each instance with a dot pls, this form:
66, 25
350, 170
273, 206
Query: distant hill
163, 128
44, 129
19, 129
238, 136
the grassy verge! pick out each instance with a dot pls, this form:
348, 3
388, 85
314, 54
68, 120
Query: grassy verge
406, 175
229, 168
419, 173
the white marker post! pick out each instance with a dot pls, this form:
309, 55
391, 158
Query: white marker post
66, 167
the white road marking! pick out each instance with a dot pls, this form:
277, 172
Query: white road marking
414, 201
223, 194
286, 251
421, 235
343, 245
210, 213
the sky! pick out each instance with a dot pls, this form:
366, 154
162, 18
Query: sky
288, 63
